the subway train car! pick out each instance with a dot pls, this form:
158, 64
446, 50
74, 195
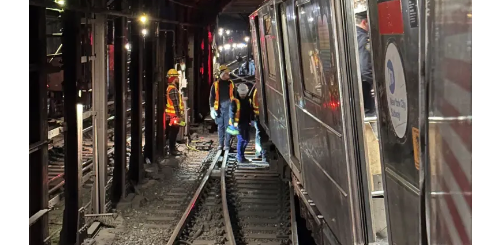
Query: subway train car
403, 177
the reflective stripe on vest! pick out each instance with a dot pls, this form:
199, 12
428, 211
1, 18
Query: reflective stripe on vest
254, 102
237, 113
169, 107
216, 89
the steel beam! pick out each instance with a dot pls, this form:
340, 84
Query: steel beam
73, 132
136, 81
38, 127
99, 114
150, 48
120, 136
161, 76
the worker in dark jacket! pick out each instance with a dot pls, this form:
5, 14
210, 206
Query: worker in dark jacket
241, 115
364, 49
221, 95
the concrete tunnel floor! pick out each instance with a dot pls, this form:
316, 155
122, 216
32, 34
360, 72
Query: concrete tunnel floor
142, 219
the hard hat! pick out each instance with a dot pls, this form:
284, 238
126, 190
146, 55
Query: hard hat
223, 68
172, 72
360, 6
242, 89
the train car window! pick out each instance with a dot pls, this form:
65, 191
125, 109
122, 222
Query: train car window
271, 59
317, 54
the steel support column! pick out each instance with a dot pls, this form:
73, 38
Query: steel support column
71, 56
38, 127
120, 137
136, 80
150, 49
99, 115
161, 74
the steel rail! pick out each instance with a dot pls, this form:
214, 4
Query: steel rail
225, 207
193, 202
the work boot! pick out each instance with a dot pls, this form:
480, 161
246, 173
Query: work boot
226, 148
175, 153
219, 148
243, 160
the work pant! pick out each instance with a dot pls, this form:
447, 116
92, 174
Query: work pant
259, 150
172, 132
368, 99
252, 68
222, 121
242, 140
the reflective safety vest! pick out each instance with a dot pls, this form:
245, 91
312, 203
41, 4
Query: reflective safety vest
216, 89
237, 112
255, 103
169, 107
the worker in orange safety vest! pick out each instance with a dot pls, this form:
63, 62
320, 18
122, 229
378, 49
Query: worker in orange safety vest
174, 110
260, 153
221, 95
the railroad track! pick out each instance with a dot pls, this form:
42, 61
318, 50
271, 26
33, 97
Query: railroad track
248, 204
176, 200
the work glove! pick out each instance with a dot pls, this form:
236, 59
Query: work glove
232, 130
235, 125
213, 113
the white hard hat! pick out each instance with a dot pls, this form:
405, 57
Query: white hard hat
242, 89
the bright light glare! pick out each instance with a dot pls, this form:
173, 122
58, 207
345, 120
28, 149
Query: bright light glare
221, 31
227, 32
61, 2
234, 45
127, 46
310, 19
221, 48
246, 39
227, 46
144, 32
143, 18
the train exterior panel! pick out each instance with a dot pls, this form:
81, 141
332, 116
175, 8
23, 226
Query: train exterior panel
306, 55
308, 59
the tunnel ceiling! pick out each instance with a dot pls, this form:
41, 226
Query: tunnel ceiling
241, 6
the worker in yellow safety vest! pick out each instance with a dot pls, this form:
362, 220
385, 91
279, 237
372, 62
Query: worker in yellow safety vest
174, 110
221, 95
260, 153
241, 115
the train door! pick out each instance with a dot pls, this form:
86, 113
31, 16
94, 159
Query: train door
289, 89
273, 77
362, 92
394, 26
254, 21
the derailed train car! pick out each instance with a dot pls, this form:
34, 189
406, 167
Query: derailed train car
403, 177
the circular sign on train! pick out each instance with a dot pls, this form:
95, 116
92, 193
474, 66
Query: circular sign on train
396, 90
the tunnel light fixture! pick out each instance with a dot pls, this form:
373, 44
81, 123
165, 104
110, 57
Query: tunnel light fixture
143, 18
227, 32
60, 2
127, 46
144, 32
227, 46
246, 39
221, 31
